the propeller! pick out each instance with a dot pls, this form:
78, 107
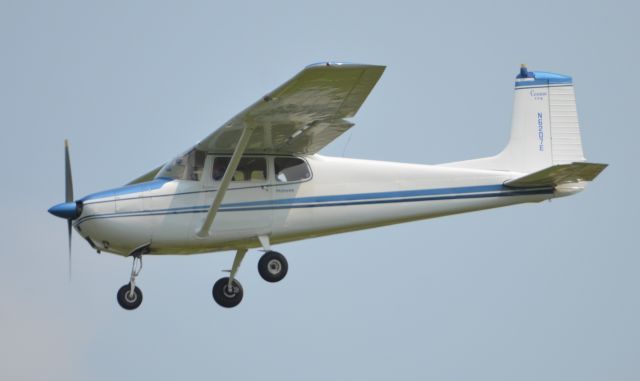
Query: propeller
68, 193
70, 209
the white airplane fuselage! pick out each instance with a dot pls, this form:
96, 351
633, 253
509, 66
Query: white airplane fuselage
341, 195
258, 181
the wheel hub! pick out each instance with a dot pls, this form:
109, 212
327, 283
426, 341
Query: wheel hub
230, 291
131, 296
274, 266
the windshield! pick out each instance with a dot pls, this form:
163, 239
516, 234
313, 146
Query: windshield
187, 166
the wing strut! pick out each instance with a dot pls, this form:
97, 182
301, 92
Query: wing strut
226, 179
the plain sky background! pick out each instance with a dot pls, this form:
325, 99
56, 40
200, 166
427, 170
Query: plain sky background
539, 291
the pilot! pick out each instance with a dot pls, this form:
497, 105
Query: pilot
218, 169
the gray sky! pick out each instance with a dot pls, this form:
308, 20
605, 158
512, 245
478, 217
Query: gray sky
545, 291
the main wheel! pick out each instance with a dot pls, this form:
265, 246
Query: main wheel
273, 266
127, 299
227, 296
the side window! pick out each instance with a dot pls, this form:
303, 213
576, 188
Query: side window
291, 169
249, 169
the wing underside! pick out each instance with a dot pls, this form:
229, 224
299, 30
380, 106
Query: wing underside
303, 115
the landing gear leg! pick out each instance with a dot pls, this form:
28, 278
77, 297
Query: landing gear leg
129, 296
227, 291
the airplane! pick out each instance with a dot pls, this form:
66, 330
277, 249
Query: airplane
259, 181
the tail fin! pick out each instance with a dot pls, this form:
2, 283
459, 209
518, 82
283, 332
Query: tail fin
544, 126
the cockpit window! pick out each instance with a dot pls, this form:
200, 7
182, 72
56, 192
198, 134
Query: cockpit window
249, 169
188, 166
291, 169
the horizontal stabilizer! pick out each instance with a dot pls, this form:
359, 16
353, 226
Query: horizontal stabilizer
558, 174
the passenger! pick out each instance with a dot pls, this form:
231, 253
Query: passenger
219, 167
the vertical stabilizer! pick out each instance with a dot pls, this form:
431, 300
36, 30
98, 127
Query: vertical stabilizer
544, 126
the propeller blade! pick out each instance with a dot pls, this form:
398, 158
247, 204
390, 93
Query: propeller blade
68, 188
68, 185
69, 235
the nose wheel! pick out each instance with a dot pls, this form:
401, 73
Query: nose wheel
129, 298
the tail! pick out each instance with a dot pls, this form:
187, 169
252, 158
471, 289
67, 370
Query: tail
544, 129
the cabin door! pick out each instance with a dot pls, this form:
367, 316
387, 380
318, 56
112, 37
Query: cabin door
246, 208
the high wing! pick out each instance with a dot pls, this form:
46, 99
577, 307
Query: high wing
301, 116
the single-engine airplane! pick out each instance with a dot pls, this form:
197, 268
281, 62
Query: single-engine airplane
258, 180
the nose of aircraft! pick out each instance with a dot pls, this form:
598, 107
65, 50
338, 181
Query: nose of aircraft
67, 210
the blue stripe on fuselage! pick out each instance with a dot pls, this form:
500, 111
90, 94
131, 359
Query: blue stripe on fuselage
483, 191
371, 196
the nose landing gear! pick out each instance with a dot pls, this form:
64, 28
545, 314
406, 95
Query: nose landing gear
129, 296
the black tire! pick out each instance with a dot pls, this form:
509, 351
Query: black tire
273, 266
225, 297
127, 300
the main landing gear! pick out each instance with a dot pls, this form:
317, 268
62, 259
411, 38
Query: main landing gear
272, 266
228, 292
